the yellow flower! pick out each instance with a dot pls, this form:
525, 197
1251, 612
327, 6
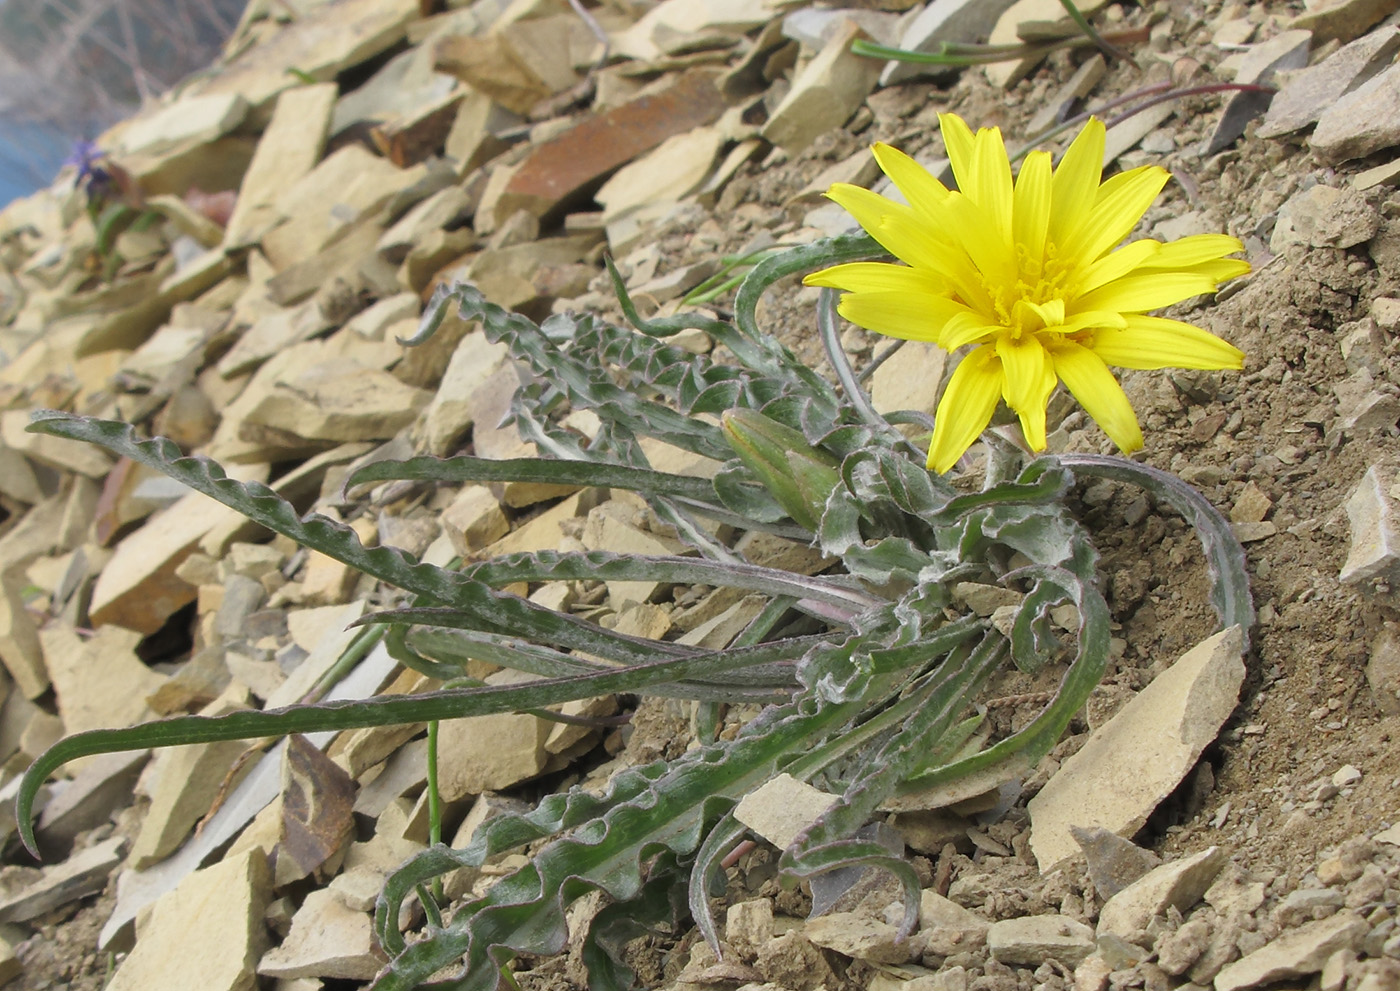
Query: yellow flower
1029, 273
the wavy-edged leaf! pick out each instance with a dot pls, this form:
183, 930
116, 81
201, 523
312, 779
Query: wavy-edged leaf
386, 711
1229, 589
605, 565
610, 842
554, 472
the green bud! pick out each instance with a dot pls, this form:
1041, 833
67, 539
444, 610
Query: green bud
799, 475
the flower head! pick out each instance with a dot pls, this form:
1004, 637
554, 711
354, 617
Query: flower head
1029, 274
91, 163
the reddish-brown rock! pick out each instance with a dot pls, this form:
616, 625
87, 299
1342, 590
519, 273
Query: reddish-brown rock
564, 168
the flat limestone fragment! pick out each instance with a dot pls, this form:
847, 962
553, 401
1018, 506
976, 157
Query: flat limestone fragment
99, 682
1178, 885
1032, 939
489, 753
1139, 756
942, 21
1362, 122
290, 147
138, 588
1375, 536
782, 808
19, 641
1296, 953
859, 936
137, 889
206, 933
327, 940
825, 93
193, 120
189, 780
82, 874
910, 379
1310, 91
320, 42
339, 400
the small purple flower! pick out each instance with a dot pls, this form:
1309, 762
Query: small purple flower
89, 160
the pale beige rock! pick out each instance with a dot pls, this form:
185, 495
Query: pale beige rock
672, 20
718, 632
1179, 884
1251, 505
138, 588
272, 333
938, 912
912, 378
324, 633
825, 93
388, 848
206, 933
473, 520
191, 120
474, 138
328, 581
338, 400
99, 681
320, 42
1140, 755
347, 185
748, 925
1006, 32
187, 782
82, 874
450, 413
1297, 953
56, 452
289, 148
19, 641
615, 527
669, 172
859, 936
489, 753
1031, 939
444, 207
10, 967
781, 808
1375, 537
327, 940
985, 599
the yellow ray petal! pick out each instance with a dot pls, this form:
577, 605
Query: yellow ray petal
1030, 214
1050, 313
958, 142
912, 316
991, 178
967, 328
877, 277
900, 232
1076, 181
1091, 320
1023, 364
1090, 382
1156, 342
966, 407
1117, 264
1149, 291
923, 190
992, 255
1119, 205
1194, 249
1223, 269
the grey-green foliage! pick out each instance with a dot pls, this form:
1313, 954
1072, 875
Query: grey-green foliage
881, 703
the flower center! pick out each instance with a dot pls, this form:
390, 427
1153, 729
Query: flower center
1039, 280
